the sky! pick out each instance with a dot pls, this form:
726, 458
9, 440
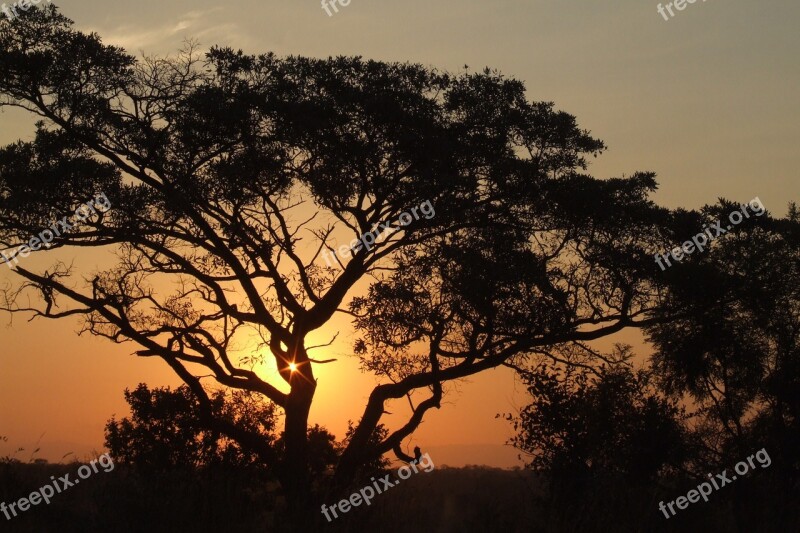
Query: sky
707, 99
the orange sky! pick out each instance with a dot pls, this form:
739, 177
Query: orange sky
708, 100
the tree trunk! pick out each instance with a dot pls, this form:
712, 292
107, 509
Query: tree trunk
295, 475
353, 456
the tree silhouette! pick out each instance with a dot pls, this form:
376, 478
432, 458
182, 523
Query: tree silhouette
325, 450
606, 437
230, 175
732, 344
166, 431
601, 439
612, 421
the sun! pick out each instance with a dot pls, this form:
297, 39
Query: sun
292, 367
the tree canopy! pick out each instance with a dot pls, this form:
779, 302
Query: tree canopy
229, 174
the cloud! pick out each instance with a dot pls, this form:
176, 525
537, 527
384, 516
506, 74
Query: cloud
162, 39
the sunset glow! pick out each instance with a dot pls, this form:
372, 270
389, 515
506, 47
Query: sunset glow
540, 261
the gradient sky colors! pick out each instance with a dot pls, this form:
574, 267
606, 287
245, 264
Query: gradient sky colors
708, 100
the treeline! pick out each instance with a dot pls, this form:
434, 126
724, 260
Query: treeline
614, 438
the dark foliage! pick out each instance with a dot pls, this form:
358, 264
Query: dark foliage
165, 429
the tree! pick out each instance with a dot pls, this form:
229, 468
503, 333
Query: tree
166, 431
230, 175
378, 465
585, 423
325, 450
602, 438
732, 343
